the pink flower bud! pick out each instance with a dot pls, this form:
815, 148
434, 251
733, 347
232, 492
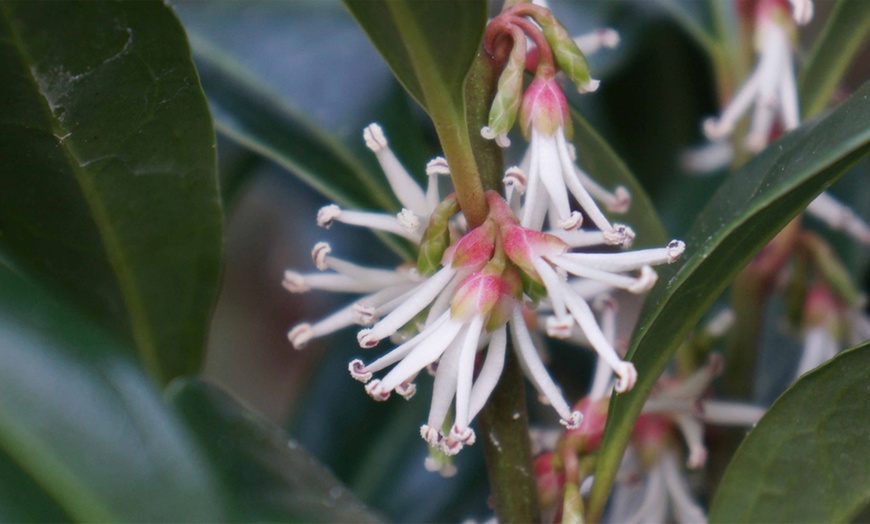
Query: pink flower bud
523, 246
477, 294
550, 479
544, 107
474, 249
587, 438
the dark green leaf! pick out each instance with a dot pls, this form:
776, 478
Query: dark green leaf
89, 436
108, 188
845, 30
429, 44
267, 476
253, 116
598, 159
747, 211
806, 460
696, 20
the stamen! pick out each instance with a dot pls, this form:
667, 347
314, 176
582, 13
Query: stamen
685, 509
590, 43
431, 435
693, 433
638, 285
426, 352
444, 389
717, 129
627, 261
377, 391
327, 214
437, 166
319, 254
489, 372
819, 347
409, 221
583, 315
839, 217
515, 178
802, 11
404, 186
619, 235
294, 282
560, 327
568, 170
406, 389
724, 413
364, 315
554, 285
574, 221
424, 295
579, 237
379, 221
537, 374
465, 373
653, 506
300, 335
358, 371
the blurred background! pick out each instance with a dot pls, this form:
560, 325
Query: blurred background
309, 71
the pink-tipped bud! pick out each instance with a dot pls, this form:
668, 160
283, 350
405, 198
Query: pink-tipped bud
550, 479
477, 294
544, 107
474, 249
587, 437
820, 306
523, 246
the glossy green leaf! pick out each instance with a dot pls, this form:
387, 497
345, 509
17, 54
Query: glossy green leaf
746, 212
108, 188
412, 37
85, 433
806, 460
267, 476
429, 44
834, 49
598, 159
250, 114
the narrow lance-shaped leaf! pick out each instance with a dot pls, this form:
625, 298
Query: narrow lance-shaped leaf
108, 188
448, 35
806, 460
250, 114
746, 212
266, 476
84, 429
413, 38
833, 51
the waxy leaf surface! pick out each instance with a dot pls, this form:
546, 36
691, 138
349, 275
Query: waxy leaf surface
108, 189
268, 477
84, 434
806, 460
429, 44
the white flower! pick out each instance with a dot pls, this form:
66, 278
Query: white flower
771, 89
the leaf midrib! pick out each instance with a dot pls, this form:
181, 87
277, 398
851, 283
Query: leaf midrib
137, 317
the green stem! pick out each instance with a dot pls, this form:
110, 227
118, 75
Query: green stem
504, 432
503, 423
448, 116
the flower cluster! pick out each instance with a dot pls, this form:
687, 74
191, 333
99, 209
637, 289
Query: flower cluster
475, 290
651, 486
